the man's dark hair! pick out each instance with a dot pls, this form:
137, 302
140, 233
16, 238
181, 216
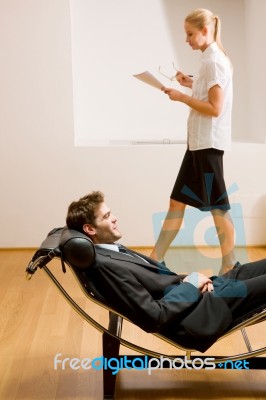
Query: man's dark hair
83, 211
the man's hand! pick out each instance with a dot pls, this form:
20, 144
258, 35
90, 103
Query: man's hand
200, 281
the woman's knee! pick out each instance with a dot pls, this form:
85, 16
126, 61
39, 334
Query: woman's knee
175, 205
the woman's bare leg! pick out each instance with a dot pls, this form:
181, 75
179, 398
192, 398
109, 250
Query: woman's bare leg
226, 234
170, 229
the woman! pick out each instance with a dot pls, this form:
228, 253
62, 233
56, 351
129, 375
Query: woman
200, 182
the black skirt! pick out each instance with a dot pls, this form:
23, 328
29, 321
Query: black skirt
200, 181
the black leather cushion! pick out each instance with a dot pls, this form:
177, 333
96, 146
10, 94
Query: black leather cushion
77, 249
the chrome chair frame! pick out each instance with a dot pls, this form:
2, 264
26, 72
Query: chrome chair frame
53, 248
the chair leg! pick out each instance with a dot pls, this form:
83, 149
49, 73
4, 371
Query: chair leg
111, 347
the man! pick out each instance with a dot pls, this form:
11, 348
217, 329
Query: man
192, 310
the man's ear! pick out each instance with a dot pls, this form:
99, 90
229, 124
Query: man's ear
89, 229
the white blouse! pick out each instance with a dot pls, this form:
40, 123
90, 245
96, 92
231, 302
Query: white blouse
205, 131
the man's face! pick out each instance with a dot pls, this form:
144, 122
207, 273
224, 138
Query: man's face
105, 228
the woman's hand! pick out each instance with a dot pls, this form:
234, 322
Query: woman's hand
212, 107
184, 80
173, 94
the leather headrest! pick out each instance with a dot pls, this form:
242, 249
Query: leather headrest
77, 248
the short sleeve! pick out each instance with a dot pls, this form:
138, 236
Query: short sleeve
216, 74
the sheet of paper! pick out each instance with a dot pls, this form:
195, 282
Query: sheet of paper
148, 78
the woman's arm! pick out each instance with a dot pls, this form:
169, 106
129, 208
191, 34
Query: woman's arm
212, 107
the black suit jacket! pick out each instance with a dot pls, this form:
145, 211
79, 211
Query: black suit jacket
155, 299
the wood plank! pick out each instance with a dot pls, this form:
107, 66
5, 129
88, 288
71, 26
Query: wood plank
36, 323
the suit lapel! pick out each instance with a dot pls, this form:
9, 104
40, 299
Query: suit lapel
152, 264
116, 255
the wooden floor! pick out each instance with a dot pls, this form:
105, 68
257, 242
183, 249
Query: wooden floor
36, 324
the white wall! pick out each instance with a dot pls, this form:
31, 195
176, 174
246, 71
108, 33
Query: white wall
41, 171
113, 40
255, 82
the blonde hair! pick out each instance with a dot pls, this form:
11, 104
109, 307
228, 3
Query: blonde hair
202, 17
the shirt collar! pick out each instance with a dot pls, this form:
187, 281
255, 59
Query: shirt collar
210, 49
108, 246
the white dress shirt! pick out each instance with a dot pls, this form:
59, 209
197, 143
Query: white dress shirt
108, 246
205, 131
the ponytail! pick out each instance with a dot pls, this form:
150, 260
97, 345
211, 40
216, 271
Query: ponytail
217, 33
